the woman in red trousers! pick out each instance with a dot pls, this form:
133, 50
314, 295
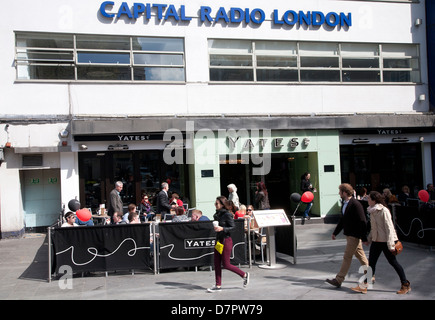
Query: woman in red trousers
226, 224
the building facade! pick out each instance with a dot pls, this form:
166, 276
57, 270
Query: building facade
203, 95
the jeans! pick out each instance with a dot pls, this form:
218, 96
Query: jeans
376, 249
307, 209
223, 260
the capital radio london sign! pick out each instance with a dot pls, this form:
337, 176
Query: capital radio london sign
232, 15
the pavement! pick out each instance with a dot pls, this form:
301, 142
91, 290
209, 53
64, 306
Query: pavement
24, 276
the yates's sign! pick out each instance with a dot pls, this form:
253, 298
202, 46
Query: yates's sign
147, 11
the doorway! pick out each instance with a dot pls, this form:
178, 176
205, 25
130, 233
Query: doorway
41, 196
282, 180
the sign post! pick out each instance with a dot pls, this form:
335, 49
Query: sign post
269, 219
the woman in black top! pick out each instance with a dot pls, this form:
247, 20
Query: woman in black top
226, 225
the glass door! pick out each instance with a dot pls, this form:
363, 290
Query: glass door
92, 180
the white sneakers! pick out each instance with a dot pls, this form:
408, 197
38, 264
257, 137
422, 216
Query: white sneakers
215, 288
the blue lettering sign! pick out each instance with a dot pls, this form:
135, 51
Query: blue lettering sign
222, 15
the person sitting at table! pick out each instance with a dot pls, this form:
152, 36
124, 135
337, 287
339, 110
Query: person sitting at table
133, 217
70, 218
117, 218
145, 205
241, 213
145, 208
197, 216
180, 216
131, 208
249, 213
175, 200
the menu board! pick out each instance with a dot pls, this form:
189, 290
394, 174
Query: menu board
271, 218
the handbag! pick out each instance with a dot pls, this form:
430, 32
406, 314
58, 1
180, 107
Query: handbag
219, 247
398, 248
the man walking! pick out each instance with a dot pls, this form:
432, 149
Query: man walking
115, 201
354, 225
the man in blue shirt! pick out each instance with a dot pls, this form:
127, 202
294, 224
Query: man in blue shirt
197, 216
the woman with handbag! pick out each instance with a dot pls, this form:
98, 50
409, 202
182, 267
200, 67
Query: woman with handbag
383, 238
222, 257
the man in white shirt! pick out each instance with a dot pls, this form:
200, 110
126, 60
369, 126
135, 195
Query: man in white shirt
70, 218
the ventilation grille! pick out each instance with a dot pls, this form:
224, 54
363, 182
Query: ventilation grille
34, 160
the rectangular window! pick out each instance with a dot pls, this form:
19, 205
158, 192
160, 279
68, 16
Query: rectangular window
299, 62
400, 63
319, 62
231, 60
158, 59
360, 62
44, 56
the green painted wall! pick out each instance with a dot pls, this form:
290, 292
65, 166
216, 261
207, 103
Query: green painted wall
322, 150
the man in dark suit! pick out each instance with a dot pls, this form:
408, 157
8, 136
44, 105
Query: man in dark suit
354, 225
115, 202
162, 203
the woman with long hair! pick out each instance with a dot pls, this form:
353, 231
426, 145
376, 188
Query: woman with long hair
383, 237
222, 259
262, 197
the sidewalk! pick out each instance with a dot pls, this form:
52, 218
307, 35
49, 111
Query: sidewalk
23, 275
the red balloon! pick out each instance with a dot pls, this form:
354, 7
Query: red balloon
83, 214
423, 195
307, 197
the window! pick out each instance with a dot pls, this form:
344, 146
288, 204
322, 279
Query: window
276, 61
400, 63
312, 62
360, 62
41, 56
44, 56
319, 62
231, 60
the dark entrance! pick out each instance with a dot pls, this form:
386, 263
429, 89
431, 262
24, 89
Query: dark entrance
282, 180
140, 171
376, 167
